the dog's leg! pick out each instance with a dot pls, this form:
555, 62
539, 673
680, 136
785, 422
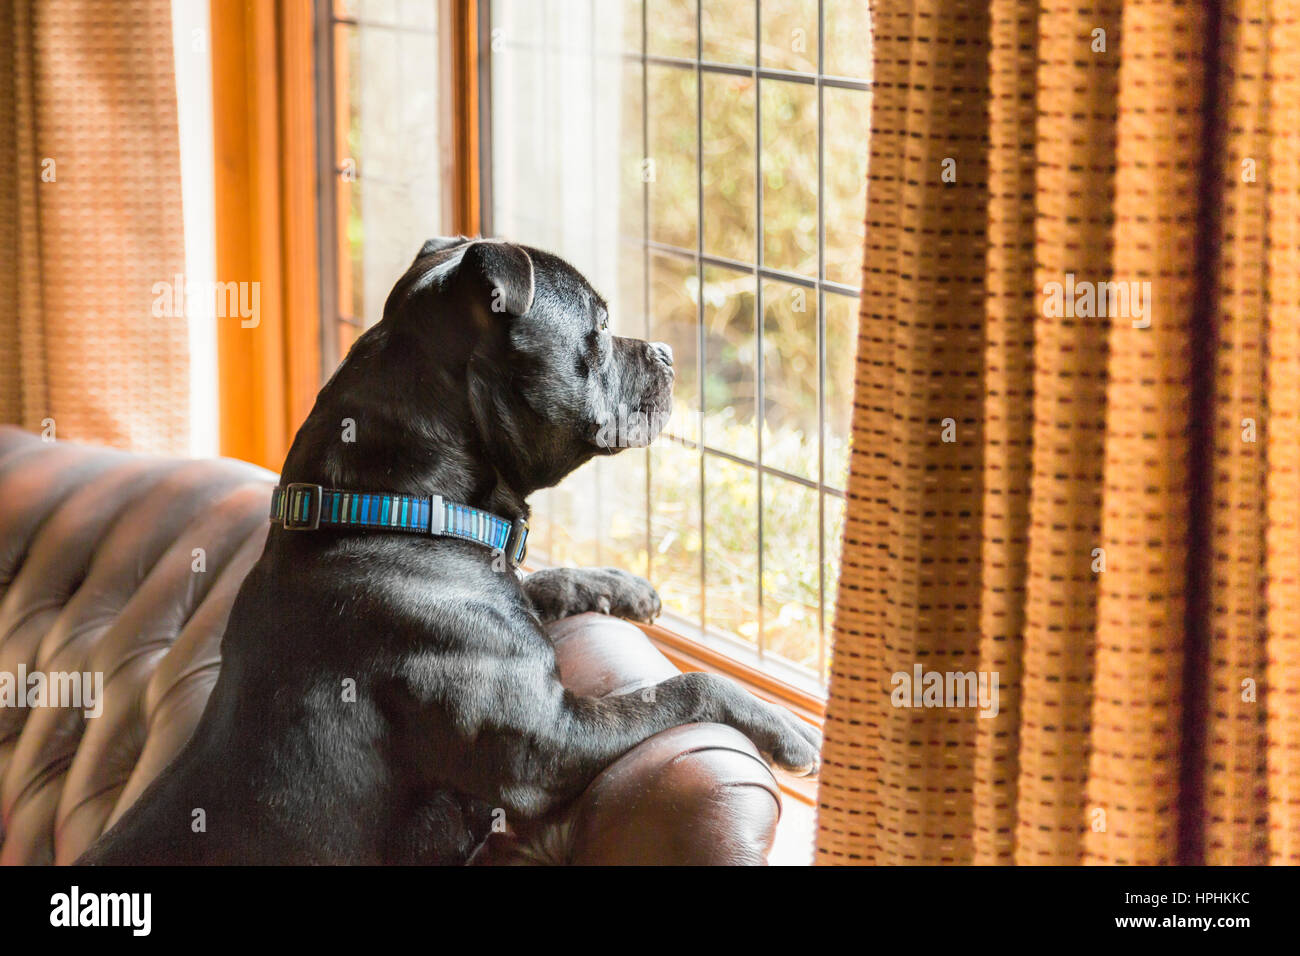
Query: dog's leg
603, 726
560, 592
551, 762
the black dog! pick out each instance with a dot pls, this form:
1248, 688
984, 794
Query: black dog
491, 375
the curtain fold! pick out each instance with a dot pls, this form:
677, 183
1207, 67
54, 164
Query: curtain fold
1282, 429
1235, 785
910, 579
1073, 191
1008, 417
91, 223
1137, 733
1076, 450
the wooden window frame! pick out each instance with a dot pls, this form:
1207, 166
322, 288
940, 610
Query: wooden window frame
263, 82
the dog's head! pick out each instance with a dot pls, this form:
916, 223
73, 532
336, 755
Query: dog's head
550, 385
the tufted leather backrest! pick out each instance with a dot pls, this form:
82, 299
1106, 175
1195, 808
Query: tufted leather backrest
126, 566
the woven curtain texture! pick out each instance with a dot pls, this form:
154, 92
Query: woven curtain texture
1282, 416
1097, 500
90, 222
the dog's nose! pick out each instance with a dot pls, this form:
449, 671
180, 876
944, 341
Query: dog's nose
664, 351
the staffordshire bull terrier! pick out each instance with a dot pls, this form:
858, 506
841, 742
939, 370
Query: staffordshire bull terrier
389, 569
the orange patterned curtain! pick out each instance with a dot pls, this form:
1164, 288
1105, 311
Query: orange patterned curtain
1075, 477
90, 224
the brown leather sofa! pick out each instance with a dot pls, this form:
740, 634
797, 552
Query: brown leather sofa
127, 565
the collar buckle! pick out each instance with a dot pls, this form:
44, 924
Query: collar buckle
302, 504
517, 543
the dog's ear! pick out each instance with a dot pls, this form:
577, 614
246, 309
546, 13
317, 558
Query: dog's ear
504, 272
441, 244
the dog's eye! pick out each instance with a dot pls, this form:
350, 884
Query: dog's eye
604, 323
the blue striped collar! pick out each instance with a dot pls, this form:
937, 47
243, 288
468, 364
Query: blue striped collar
306, 507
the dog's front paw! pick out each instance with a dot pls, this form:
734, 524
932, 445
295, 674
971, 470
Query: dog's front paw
561, 592
797, 747
631, 596
781, 737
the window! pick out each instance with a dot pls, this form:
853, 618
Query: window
705, 166
383, 111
